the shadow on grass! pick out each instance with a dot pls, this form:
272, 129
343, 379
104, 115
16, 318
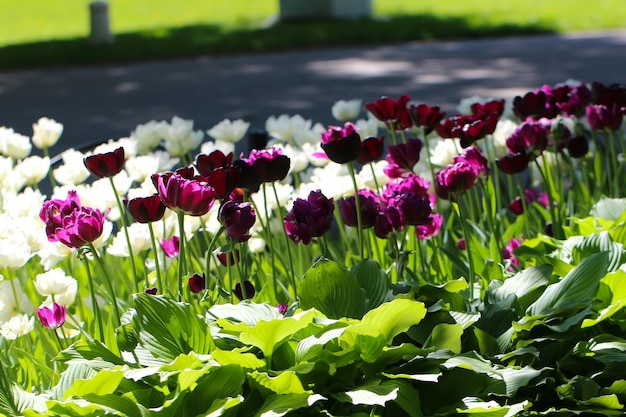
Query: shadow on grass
212, 40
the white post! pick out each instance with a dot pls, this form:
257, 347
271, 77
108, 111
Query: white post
99, 15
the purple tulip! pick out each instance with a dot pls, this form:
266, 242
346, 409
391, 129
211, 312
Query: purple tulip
601, 117
426, 116
106, 164
273, 165
454, 180
309, 218
171, 246
342, 144
608, 94
68, 222
206, 164
530, 138
181, 192
369, 209
237, 218
430, 229
146, 209
476, 159
249, 290
535, 105
197, 283
52, 318
372, 149
391, 111
403, 157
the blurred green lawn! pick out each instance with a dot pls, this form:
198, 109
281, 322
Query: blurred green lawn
40, 32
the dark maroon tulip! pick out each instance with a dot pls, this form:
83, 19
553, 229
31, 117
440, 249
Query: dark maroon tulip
577, 146
536, 105
342, 144
146, 209
228, 259
223, 180
390, 111
530, 138
513, 164
151, 291
517, 206
309, 218
454, 180
206, 164
104, 165
468, 129
249, 288
389, 220
197, 283
426, 116
608, 95
601, 117
369, 209
193, 197
249, 177
405, 155
274, 165
372, 149
571, 99
491, 107
237, 218
415, 209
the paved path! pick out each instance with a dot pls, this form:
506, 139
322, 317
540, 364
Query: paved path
102, 102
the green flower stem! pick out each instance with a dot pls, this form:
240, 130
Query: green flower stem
468, 238
492, 221
357, 204
287, 244
53, 183
240, 272
181, 256
430, 167
615, 162
554, 211
107, 281
94, 302
392, 131
597, 167
269, 239
209, 253
374, 178
522, 194
156, 258
125, 227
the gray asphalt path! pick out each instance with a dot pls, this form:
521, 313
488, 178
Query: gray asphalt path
102, 102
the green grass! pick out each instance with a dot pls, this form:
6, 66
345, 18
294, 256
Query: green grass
54, 32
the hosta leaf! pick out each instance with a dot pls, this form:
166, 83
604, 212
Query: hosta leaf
279, 405
395, 317
167, 328
616, 282
521, 284
309, 347
219, 382
26, 400
73, 373
92, 352
104, 382
600, 242
609, 208
126, 406
287, 382
370, 394
514, 379
577, 288
446, 336
219, 407
332, 290
247, 361
373, 279
244, 312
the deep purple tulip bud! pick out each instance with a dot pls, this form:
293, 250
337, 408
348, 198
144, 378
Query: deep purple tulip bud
341, 145
309, 218
476, 159
151, 291
182, 194
454, 180
570, 99
601, 117
415, 209
513, 164
197, 283
206, 164
369, 209
391, 111
275, 165
468, 129
529, 138
230, 258
405, 155
608, 94
577, 146
171, 246
248, 176
146, 209
106, 164
426, 116
52, 318
239, 292
389, 220
223, 180
491, 107
237, 218
535, 105
372, 149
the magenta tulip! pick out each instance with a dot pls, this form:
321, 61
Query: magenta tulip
52, 318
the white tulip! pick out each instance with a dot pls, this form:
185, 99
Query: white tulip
46, 132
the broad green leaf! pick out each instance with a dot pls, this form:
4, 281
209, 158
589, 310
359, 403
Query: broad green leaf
125, 406
373, 279
600, 242
395, 317
218, 383
92, 352
514, 379
446, 336
332, 290
370, 394
246, 360
244, 312
521, 284
167, 328
577, 288
616, 282
279, 405
311, 346
221, 407
269, 335
364, 338
103, 383
26, 400
609, 208
74, 372
287, 382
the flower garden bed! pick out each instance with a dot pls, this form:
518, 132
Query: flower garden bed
483, 272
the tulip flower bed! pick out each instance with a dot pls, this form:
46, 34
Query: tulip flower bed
409, 264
